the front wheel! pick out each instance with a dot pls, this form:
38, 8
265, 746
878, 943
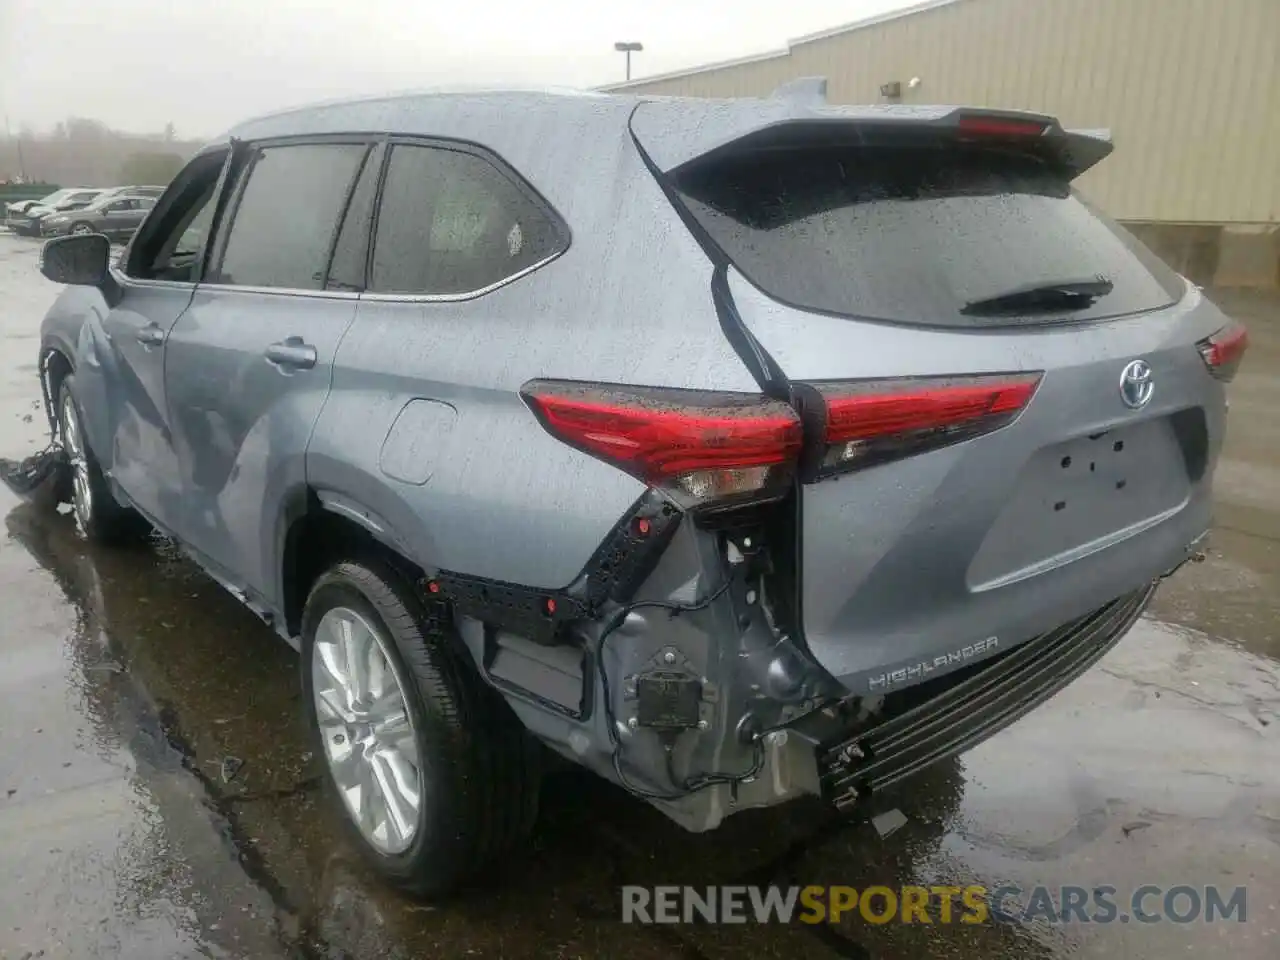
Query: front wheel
81, 229
102, 519
435, 777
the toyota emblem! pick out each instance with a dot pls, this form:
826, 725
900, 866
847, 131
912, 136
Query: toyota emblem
1137, 384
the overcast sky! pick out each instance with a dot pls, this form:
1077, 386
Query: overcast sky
206, 64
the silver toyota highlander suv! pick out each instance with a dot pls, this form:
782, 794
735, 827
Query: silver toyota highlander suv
734, 450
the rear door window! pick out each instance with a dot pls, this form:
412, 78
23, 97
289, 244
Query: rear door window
914, 234
290, 199
452, 223
347, 269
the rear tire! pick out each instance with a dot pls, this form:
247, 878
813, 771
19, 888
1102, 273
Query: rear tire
100, 516
473, 766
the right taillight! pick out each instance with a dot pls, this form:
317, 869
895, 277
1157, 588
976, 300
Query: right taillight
1223, 351
700, 446
862, 423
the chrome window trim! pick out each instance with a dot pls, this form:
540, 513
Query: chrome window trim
280, 291
468, 295
127, 281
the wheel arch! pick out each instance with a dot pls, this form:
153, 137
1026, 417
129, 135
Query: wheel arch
55, 365
321, 528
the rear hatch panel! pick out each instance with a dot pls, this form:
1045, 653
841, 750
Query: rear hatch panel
913, 567
926, 557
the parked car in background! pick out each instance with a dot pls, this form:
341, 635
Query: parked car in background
28, 221
22, 206
114, 216
135, 191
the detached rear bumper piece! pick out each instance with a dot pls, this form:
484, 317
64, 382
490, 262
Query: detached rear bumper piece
977, 707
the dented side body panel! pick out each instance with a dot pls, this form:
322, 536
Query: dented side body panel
521, 507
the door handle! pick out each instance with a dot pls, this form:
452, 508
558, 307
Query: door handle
292, 352
150, 336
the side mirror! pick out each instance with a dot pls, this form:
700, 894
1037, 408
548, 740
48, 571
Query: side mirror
80, 260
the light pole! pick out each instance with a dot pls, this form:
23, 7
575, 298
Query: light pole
22, 167
628, 49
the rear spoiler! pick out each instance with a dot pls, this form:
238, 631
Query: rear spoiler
677, 131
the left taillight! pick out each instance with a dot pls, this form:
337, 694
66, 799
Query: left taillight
863, 423
703, 447
1223, 351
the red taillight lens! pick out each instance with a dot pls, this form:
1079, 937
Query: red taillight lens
1000, 126
1223, 351
699, 445
868, 422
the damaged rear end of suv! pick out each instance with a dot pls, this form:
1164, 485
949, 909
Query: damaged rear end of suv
986, 429
765, 449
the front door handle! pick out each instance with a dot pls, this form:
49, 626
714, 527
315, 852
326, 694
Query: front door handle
292, 352
150, 336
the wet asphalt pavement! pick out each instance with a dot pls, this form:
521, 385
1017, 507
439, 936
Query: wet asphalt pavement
127, 679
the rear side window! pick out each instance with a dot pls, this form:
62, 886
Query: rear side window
285, 220
346, 272
451, 223
914, 234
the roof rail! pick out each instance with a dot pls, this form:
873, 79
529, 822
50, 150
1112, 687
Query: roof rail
807, 90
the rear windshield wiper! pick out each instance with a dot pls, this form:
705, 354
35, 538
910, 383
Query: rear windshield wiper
1054, 295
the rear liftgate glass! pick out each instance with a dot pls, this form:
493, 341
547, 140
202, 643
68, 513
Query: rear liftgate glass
965, 222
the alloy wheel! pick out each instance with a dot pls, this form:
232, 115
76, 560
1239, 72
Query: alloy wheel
367, 729
73, 444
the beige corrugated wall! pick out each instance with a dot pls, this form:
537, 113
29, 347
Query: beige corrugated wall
1189, 88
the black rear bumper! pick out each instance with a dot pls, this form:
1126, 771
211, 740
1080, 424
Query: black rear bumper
977, 707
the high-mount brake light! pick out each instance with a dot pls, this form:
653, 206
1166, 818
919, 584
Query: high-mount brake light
868, 422
1223, 351
980, 125
703, 447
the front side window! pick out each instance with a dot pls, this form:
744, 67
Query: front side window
171, 243
290, 199
452, 223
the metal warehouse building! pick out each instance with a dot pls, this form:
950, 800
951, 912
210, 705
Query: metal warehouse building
1190, 90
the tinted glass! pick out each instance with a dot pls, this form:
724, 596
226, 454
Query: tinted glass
453, 223
287, 215
169, 245
346, 272
914, 234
